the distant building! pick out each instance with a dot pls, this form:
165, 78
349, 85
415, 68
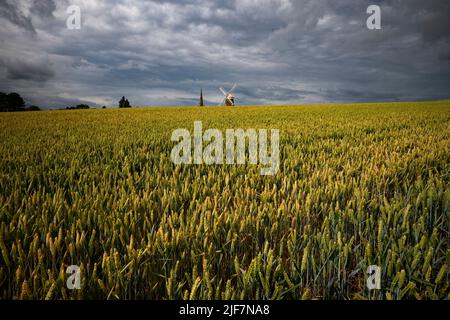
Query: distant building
201, 104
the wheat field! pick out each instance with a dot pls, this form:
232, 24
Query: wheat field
358, 185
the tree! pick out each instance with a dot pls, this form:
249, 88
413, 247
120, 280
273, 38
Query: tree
15, 101
124, 103
33, 108
3, 101
79, 107
11, 102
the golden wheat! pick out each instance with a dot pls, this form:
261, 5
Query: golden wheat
358, 185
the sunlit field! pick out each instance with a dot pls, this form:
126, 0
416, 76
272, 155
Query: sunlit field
358, 185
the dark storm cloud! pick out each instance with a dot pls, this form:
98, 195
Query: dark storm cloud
10, 12
278, 51
36, 70
43, 8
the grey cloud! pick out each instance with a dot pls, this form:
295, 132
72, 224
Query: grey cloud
276, 92
10, 12
349, 95
43, 8
30, 71
278, 51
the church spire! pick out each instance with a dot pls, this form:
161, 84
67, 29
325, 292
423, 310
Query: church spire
201, 104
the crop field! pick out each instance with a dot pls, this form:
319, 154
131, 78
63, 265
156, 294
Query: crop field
358, 185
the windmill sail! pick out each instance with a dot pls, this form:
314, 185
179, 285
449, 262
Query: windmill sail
229, 97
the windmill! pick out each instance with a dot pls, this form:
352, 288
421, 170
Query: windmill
229, 97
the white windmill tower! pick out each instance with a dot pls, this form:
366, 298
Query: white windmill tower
229, 97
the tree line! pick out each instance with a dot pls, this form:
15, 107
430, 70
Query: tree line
123, 103
13, 102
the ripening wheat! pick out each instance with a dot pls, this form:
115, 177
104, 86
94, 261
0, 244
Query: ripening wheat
358, 185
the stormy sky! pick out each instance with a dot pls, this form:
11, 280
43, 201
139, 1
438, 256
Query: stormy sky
277, 51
